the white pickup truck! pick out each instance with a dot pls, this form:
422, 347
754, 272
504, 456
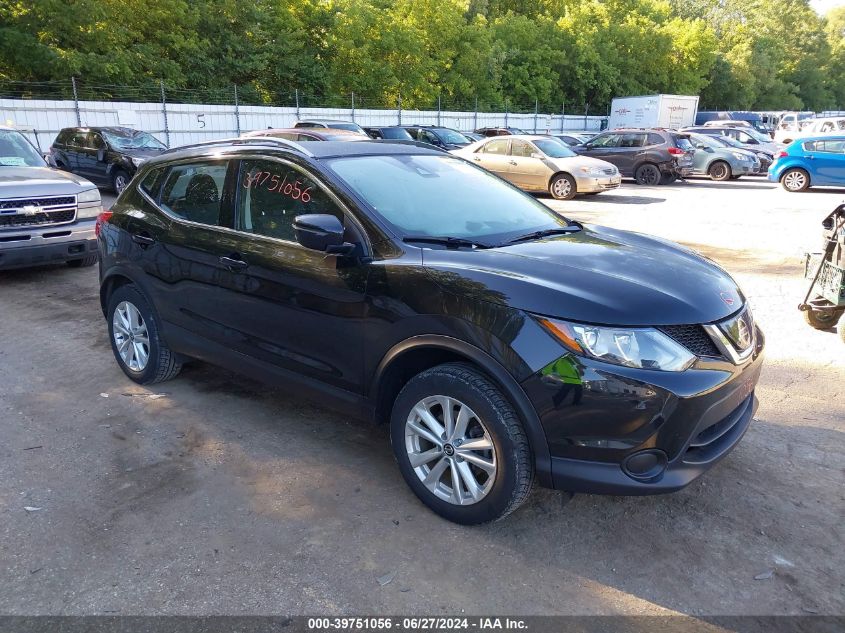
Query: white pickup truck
47, 216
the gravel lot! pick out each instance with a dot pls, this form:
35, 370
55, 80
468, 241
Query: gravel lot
224, 497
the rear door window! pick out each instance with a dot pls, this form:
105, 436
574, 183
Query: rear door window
499, 146
521, 148
632, 139
194, 191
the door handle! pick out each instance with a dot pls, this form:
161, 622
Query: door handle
233, 263
512, 162
809, 156
143, 240
476, 159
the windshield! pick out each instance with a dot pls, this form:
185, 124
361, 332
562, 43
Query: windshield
443, 196
707, 141
16, 151
762, 138
452, 137
132, 140
728, 141
342, 125
554, 148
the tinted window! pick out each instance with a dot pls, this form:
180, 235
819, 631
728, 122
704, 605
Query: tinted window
683, 142
152, 182
271, 194
606, 140
64, 136
521, 148
374, 133
830, 147
396, 133
654, 139
499, 146
632, 139
193, 192
94, 141
78, 139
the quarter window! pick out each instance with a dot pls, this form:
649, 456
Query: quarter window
152, 182
271, 194
193, 192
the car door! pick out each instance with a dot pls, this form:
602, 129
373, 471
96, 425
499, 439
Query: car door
283, 304
75, 146
602, 146
826, 161
493, 156
527, 171
86, 157
630, 151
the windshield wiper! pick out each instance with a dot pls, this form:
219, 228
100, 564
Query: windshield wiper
449, 242
536, 235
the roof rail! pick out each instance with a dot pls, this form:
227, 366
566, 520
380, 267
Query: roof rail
247, 140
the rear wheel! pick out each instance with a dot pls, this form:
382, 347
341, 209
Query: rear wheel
795, 180
135, 341
822, 319
719, 170
648, 174
562, 187
460, 445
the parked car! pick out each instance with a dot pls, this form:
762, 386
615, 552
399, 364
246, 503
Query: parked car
652, 156
542, 163
329, 124
790, 124
713, 158
734, 119
407, 286
574, 138
46, 216
750, 138
391, 132
810, 162
442, 137
304, 135
819, 127
499, 131
763, 156
107, 156
472, 136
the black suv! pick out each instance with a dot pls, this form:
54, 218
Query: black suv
107, 156
501, 342
649, 156
442, 137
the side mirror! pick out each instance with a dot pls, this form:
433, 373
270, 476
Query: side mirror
321, 232
101, 155
537, 155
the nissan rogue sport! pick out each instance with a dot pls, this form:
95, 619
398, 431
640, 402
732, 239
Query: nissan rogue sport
502, 343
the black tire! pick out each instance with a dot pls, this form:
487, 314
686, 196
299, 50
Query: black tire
840, 327
119, 180
563, 187
85, 262
735, 177
719, 170
795, 179
648, 174
162, 364
822, 319
667, 179
514, 473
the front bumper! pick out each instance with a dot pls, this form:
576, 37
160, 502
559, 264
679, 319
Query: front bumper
36, 246
597, 417
592, 184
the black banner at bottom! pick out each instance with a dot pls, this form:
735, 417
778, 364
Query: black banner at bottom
429, 624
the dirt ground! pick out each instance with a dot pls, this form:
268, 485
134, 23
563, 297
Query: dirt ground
211, 494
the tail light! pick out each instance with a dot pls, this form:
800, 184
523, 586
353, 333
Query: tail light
781, 154
103, 218
676, 151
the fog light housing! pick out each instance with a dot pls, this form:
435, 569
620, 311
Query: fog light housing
647, 465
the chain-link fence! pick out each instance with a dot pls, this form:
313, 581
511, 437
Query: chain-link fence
179, 116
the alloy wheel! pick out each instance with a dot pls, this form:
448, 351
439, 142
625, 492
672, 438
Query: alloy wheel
120, 183
795, 180
561, 187
131, 337
450, 450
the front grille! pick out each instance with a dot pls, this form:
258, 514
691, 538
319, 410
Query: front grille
19, 203
693, 337
610, 171
23, 212
713, 441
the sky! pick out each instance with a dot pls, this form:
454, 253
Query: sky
823, 6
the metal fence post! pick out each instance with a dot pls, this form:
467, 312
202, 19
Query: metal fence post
562, 115
475, 116
438, 110
164, 112
506, 113
586, 110
399, 111
353, 107
296, 93
76, 101
536, 105
237, 113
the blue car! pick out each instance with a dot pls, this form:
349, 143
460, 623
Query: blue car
810, 162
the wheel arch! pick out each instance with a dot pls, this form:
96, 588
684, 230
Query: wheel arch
561, 172
795, 166
418, 353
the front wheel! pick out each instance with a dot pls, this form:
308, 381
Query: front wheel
795, 180
719, 170
460, 445
119, 181
647, 174
822, 319
562, 187
135, 340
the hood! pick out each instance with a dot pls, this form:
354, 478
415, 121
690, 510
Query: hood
141, 153
597, 275
573, 164
24, 182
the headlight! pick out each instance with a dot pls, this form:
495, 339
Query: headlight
645, 348
89, 195
739, 156
137, 161
593, 171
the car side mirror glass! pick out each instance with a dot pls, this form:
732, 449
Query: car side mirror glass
101, 155
321, 232
537, 155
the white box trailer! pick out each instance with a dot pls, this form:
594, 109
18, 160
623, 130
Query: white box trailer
668, 111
